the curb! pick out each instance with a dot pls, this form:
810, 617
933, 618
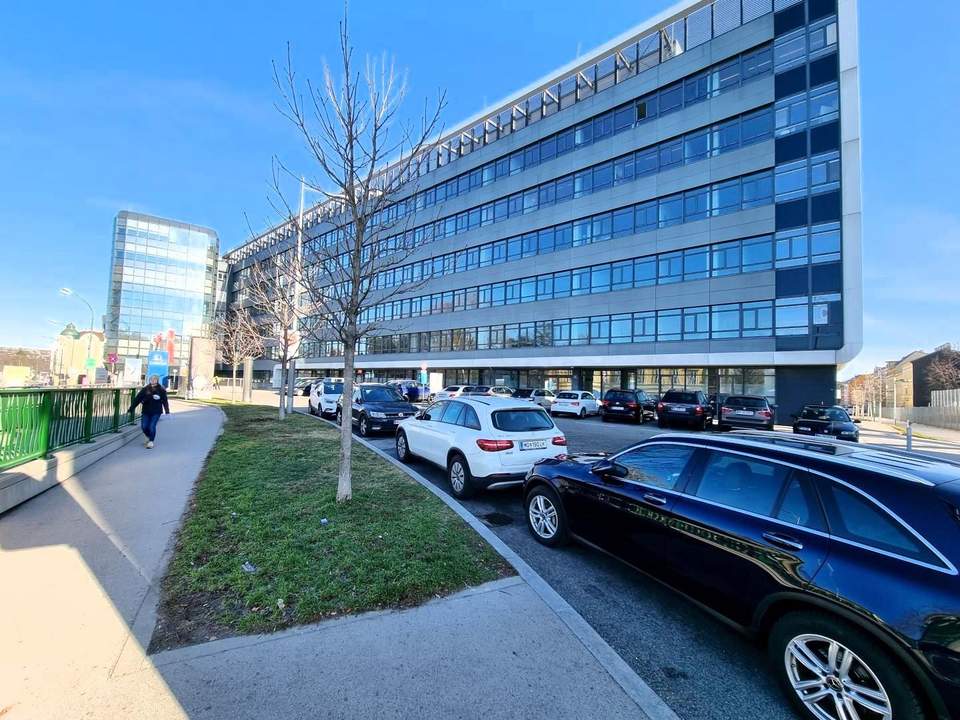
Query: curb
651, 704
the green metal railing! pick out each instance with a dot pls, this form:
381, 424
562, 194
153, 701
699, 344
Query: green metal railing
36, 421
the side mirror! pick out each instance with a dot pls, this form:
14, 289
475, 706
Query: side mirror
856, 421
359, 400
608, 467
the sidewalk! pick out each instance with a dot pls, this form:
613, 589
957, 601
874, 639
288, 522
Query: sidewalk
80, 566
928, 439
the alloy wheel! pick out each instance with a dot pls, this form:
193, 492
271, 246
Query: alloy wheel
401, 446
833, 682
458, 476
543, 516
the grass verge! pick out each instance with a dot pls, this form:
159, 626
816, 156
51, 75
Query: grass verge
260, 500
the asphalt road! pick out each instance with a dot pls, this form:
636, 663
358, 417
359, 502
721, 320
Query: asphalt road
699, 666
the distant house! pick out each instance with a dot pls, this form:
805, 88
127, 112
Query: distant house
921, 373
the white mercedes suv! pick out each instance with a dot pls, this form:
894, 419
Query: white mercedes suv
483, 441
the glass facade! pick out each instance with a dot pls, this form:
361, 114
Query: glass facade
163, 277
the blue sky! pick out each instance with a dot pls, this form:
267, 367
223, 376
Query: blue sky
167, 108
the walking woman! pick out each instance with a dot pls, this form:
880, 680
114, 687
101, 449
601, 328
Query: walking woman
154, 400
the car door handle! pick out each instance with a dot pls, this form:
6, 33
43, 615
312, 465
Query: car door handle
654, 499
783, 541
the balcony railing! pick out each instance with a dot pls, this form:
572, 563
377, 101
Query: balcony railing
36, 421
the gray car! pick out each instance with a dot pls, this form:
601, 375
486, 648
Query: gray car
746, 411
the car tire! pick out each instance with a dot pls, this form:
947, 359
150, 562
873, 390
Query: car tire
363, 428
403, 448
873, 666
458, 474
339, 417
583, 413
311, 409
542, 504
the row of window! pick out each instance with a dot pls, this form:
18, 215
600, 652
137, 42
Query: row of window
765, 318
765, 252
709, 83
721, 198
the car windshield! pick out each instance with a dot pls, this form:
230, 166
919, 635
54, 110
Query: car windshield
825, 413
451, 388
522, 420
480, 388
330, 388
523, 393
745, 402
680, 397
381, 394
568, 396
619, 395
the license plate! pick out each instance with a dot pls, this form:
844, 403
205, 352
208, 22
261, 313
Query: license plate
743, 412
533, 444
680, 409
616, 407
804, 428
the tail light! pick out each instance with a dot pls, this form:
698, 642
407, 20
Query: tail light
699, 410
558, 440
575, 403
494, 445
660, 406
605, 402
725, 410
765, 414
631, 404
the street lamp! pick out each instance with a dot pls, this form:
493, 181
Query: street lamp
70, 293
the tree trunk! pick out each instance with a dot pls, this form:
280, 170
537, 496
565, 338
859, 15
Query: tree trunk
345, 480
282, 389
233, 384
291, 383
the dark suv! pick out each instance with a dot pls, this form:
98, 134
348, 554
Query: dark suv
746, 411
633, 405
690, 407
376, 408
842, 558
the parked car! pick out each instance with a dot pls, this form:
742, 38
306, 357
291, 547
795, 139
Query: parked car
633, 405
483, 442
303, 385
451, 391
324, 395
478, 390
501, 391
411, 390
687, 406
746, 411
542, 397
842, 559
826, 420
376, 407
579, 403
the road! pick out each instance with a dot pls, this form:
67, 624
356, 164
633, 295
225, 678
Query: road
698, 665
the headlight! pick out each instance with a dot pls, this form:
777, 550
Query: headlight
375, 414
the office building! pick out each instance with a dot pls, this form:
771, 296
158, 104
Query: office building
163, 285
677, 209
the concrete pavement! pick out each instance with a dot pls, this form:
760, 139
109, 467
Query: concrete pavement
81, 566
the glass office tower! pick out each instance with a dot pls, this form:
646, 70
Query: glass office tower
163, 278
679, 208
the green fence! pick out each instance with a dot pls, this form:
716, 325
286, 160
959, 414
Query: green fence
36, 421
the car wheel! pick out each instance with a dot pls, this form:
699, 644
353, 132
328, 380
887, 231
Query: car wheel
583, 413
364, 427
545, 516
458, 473
403, 448
704, 424
824, 664
339, 417
311, 409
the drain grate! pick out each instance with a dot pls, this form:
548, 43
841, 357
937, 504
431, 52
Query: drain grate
497, 519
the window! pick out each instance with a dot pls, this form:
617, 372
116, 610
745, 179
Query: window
670, 267
757, 254
657, 464
696, 146
671, 211
793, 316
696, 204
726, 321
671, 153
854, 517
741, 482
726, 197
800, 507
451, 413
726, 259
696, 263
469, 419
696, 323
644, 327
435, 411
521, 420
668, 325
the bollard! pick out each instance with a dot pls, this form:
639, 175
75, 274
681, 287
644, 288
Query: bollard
909, 434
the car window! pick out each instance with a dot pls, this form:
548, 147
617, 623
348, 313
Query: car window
522, 420
451, 388
659, 464
539, 393
681, 397
469, 419
569, 396
435, 411
825, 413
800, 507
745, 402
853, 517
330, 388
620, 395
741, 482
523, 393
381, 394
451, 413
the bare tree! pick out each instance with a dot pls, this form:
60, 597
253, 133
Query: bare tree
272, 292
367, 158
238, 338
944, 372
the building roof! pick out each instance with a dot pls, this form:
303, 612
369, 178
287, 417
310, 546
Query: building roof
131, 214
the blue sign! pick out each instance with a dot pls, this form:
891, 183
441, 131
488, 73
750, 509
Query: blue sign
158, 364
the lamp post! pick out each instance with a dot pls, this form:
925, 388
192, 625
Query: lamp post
70, 293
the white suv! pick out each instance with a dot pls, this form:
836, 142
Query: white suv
452, 391
324, 396
575, 402
483, 442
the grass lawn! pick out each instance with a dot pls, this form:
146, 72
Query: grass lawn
260, 500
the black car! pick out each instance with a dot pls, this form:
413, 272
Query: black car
746, 411
633, 405
689, 407
826, 420
842, 559
376, 408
